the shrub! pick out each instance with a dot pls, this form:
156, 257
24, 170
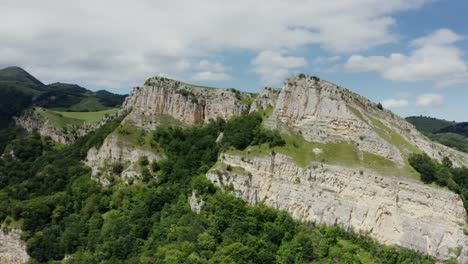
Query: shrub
117, 168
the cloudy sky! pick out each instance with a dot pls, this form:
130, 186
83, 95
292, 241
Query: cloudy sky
408, 54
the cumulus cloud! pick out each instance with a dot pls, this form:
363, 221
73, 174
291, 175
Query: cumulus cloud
428, 100
395, 103
120, 43
273, 66
432, 58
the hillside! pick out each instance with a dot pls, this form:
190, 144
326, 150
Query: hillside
428, 124
448, 133
27, 91
309, 173
460, 129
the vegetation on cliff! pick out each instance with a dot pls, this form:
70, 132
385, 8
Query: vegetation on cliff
48, 191
445, 175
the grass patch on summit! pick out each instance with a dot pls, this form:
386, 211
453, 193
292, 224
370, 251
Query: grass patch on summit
88, 117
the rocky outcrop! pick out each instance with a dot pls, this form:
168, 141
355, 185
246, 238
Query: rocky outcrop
117, 151
266, 98
31, 120
196, 204
323, 112
183, 102
392, 209
12, 248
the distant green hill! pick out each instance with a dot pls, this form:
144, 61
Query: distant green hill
428, 124
459, 128
20, 90
448, 133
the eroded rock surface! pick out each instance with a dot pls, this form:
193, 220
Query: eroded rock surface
392, 209
323, 112
32, 120
186, 103
117, 151
12, 248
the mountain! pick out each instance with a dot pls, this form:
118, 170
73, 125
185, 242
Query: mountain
344, 160
311, 172
16, 74
19, 90
428, 124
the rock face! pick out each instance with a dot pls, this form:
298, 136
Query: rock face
32, 120
266, 98
12, 248
117, 151
183, 102
323, 112
392, 209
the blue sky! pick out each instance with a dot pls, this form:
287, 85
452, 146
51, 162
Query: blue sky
408, 54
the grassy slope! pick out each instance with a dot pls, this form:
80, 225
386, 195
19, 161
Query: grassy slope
63, 119
88, 117
338, 153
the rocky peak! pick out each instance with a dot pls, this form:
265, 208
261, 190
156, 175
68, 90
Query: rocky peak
323, 112
189, 104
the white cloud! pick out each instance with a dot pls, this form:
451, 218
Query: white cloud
428, 100
273, 66
433, 58
211, 76
120, 42
395, 103
210, 71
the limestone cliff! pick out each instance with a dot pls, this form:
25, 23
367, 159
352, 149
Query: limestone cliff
323, 112
31, 120
392, 209
12, 248
117, 151
36, 119
186, 103
389, 205
265, 99
160, 101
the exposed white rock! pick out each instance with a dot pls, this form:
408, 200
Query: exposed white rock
31, 120
114, 150
195, 203
12, 248
183, 102
266, 98
323, 112
392, 209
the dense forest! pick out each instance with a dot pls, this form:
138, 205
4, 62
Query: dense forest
48, 192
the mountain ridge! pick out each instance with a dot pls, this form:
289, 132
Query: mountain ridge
331, 136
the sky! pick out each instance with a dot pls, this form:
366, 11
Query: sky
408, 54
